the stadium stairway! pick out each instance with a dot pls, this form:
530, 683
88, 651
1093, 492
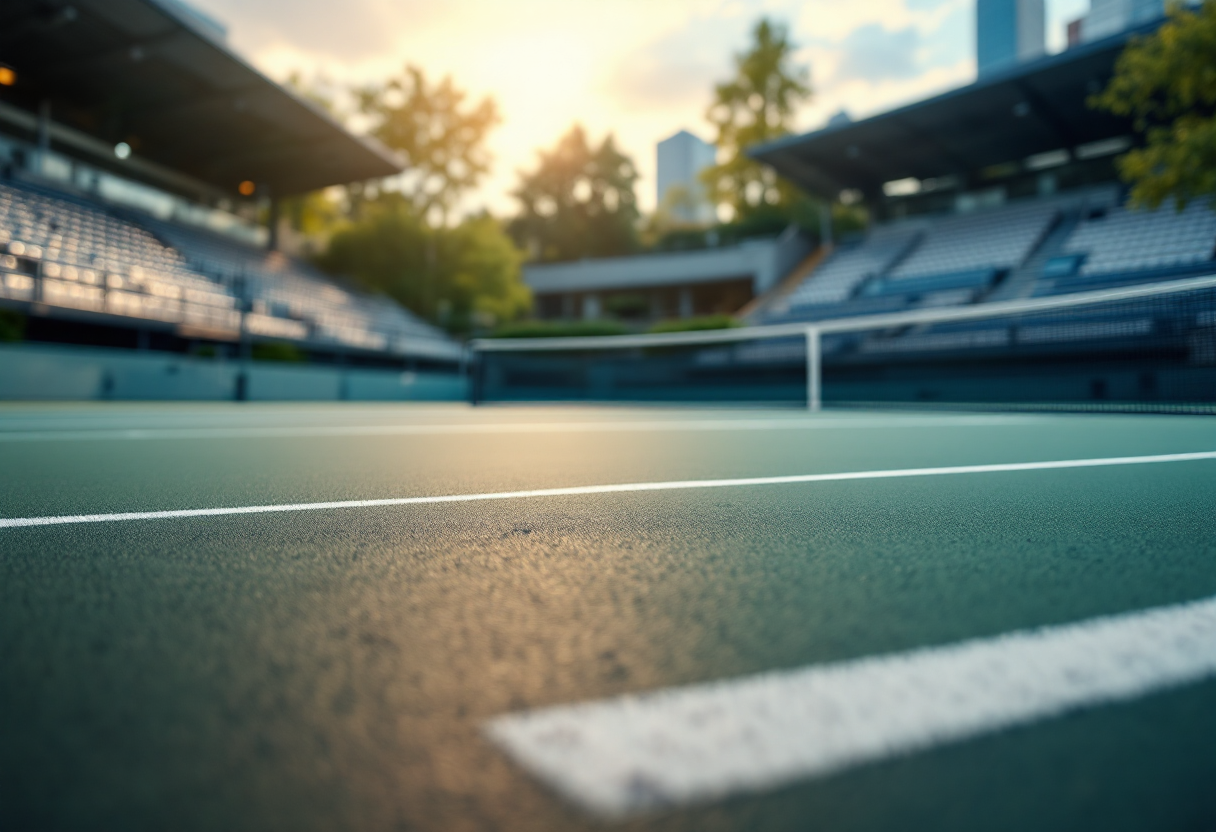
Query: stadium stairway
1022, 281
778, 295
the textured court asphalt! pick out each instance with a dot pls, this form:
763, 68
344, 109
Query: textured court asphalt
333, 669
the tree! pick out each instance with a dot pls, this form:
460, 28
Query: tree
480, 269
462, 277
318, 90
579, 202
757, 105
1166, 82
442, 140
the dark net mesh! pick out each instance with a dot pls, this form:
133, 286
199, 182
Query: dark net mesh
1150, 353
760, 370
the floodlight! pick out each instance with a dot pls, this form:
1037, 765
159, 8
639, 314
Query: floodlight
8, 76
247, 188
122, 150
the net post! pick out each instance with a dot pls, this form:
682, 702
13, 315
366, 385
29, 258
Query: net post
814, 395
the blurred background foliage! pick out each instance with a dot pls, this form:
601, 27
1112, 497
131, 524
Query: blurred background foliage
464, 277
1166, 82
759, 104
580, 201
404, 236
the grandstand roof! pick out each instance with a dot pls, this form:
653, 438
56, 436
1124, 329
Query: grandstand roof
1031, 108
153, 75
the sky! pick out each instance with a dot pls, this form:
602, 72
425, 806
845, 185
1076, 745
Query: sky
642, 69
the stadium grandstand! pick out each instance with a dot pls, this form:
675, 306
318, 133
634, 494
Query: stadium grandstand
307, 617
139, 201
1000, 192
1005, 188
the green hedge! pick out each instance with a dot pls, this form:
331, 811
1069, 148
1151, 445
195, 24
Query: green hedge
696, 324
277, 351
558, 329
12, 325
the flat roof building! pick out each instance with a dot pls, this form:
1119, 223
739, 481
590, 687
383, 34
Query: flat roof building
650, 287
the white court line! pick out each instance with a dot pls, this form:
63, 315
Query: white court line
677, 485
655, 425
630, 754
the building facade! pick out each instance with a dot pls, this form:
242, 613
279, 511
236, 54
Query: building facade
1008, 32
1110, 17
680, 195
651, 287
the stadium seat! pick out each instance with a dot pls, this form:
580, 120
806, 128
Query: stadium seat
90, 257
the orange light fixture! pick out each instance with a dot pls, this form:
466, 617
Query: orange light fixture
8, 76
246, 188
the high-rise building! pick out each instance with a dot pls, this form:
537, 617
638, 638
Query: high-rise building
1008, 31
681, 158
1110, 17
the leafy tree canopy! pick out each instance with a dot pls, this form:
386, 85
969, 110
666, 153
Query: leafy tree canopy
464, 277
442, 139
757, 105
1166, 81
578, 202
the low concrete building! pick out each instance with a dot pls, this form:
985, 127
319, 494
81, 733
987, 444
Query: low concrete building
668, 285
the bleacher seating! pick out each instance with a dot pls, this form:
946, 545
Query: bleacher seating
998, 238
289, 298
921, 263
850, 266
91, 260
1125, 245
953, 260
70, 253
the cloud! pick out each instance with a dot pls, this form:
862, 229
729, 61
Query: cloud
641, 69
345, 31
952, 39
873, 53
679, 66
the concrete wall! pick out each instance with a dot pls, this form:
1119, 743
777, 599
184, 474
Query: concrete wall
38, 372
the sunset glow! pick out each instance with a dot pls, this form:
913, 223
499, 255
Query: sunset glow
641, 70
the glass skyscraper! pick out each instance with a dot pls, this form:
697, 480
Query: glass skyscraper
1008, 31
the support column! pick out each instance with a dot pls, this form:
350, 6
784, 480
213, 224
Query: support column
657, 312
43, 135
272, 239
686, 307
591, 306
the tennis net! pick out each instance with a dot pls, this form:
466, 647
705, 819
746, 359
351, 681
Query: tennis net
1150, 347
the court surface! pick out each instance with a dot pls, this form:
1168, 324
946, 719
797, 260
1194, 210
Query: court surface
345, 666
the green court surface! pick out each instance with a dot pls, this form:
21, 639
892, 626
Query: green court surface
334, 668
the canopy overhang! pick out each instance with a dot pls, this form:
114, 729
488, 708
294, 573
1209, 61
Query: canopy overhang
144, 73
1029, 109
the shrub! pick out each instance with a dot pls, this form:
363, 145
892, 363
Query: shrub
696, 324
12, 325
277, 351
558, 329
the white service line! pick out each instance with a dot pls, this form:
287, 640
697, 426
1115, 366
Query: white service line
669, 748
678, 485
623, 426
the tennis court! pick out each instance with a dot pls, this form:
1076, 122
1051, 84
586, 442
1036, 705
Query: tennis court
181, 651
